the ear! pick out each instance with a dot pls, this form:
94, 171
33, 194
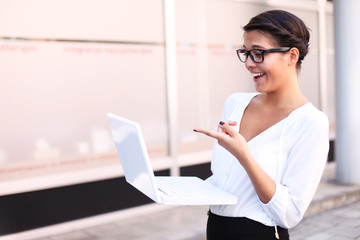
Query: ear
293, 56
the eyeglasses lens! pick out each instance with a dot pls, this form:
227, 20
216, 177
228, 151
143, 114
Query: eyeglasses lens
242, 55
255, 55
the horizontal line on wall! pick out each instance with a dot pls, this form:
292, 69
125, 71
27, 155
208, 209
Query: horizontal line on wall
79, 41
180, 44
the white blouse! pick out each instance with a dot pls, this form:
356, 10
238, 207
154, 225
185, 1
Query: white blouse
293, 152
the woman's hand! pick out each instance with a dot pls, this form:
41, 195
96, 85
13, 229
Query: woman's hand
230, 139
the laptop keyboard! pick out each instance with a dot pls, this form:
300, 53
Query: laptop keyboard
176, 187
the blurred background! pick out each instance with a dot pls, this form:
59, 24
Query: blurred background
65, 64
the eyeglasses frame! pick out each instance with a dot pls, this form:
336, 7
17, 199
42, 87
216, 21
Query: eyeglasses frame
263, 51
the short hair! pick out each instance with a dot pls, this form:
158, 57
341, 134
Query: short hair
287, 30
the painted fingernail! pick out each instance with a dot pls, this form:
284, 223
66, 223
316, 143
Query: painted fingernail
194, 130
221, 123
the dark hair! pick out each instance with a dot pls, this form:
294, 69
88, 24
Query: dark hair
287, 30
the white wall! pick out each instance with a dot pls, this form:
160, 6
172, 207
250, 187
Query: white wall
65, 64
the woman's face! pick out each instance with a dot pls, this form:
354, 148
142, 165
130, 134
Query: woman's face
272, 73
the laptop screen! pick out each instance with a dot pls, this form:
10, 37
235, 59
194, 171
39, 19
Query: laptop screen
133, 155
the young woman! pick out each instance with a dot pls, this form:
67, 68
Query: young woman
272, 145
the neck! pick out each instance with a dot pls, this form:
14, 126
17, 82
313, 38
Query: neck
290, 95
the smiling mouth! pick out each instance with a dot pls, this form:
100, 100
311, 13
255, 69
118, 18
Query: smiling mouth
257, 75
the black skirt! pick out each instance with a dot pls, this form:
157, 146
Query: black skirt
241, 228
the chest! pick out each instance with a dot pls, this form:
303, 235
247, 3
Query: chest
266, 148
257, 120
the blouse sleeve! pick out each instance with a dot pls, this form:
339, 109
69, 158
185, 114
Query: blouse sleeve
305, 163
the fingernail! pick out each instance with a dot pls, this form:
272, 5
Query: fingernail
221, 123
194, 130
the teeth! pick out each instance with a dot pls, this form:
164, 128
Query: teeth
257, 74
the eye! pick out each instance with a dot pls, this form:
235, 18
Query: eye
257, 53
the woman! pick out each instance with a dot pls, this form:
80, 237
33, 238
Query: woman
271, 145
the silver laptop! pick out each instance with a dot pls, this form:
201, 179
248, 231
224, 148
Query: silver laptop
135, 161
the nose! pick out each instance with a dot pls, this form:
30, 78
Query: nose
249, 63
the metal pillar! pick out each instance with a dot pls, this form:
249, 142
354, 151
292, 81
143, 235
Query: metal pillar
347, 63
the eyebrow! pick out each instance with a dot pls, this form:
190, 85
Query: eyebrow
254, 46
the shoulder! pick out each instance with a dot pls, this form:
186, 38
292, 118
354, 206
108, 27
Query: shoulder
309, 118
237, 101
311, 113
240, 98
307, 130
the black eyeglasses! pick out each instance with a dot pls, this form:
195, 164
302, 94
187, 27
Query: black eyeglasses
257, 55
